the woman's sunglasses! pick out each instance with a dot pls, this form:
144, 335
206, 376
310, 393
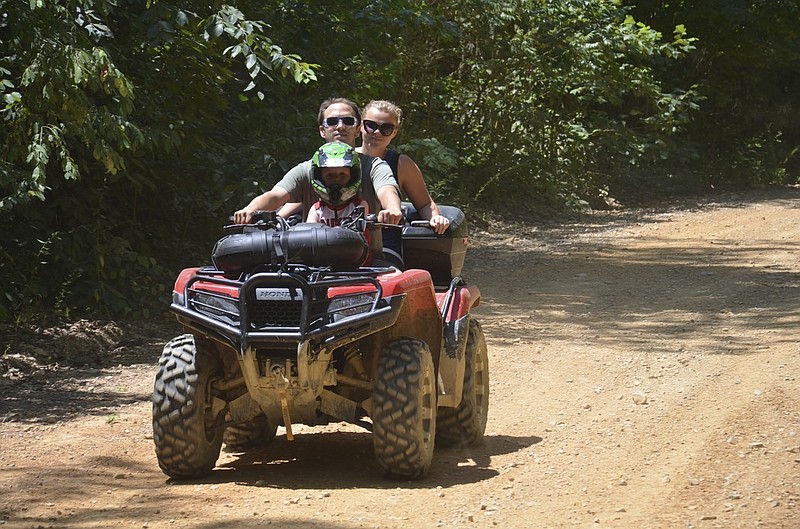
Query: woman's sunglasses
372, 127
347, 121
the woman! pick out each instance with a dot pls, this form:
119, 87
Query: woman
380, 122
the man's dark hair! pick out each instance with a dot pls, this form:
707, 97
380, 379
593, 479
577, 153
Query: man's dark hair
332, 101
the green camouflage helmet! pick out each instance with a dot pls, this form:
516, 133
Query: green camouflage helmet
336, 154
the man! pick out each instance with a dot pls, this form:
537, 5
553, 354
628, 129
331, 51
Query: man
339, 120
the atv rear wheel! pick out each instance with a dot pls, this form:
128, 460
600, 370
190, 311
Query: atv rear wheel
466, 423
188, 421
404, 409
255, 432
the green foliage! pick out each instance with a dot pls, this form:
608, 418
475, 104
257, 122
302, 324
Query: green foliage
110, 111
131, 129
747, 66
440, 162
67, 96
557, 96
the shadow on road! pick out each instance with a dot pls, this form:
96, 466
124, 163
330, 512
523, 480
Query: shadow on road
345, 460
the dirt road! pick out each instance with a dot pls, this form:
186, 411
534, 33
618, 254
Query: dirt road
644, 373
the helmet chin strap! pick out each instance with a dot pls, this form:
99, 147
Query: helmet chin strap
335, 192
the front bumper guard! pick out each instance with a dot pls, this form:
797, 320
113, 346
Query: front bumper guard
382, 313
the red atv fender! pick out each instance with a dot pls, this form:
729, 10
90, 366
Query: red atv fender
455, 306
441, 319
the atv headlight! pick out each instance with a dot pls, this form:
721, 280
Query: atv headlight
346, 306
215, 305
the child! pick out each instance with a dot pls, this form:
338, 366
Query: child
337, 181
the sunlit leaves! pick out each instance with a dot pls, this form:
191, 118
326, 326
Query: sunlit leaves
556, 96
262, 58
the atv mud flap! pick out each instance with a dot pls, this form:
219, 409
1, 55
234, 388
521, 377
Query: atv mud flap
452, 363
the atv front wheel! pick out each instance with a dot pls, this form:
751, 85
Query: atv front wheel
187, 421
466, 423
404, 409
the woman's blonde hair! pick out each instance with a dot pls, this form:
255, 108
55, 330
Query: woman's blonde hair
385, 106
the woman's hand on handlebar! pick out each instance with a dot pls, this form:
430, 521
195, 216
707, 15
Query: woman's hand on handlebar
439, 223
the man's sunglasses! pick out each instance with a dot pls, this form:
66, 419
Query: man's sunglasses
347, 121
372, 127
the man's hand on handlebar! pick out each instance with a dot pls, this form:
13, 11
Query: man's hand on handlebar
390, 216
242, 216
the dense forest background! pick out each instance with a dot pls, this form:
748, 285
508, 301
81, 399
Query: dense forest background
131, 129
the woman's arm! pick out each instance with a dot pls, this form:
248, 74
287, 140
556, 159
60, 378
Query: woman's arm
411, 182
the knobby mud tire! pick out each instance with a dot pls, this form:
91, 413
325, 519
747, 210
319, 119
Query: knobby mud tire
404, 409
186, 433
258, 431
466, 423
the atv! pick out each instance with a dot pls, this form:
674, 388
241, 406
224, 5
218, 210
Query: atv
290, 327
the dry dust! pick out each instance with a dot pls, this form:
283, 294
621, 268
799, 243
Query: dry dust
644, 373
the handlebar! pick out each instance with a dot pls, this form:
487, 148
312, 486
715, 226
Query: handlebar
372, 222
358, 220
265, 220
